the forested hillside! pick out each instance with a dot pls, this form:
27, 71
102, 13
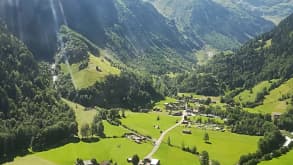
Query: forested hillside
31, 113
267, 57
133, 29
272, 10
216, 25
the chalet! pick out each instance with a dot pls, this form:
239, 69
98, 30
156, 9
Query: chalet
177, 114
185, 122
88, 162
149, 161
276, 115
129, 160
186, 131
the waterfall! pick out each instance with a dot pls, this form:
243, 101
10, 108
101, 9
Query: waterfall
56, 4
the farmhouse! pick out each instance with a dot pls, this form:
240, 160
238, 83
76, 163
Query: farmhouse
149, 161
88, 162
136, 138
186, 131
276, 115
185, 122
177, 114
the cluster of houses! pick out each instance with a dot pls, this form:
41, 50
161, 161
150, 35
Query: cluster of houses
135, 137
146, 161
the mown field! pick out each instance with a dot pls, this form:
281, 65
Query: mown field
89, 76
144, 122
283, 160
161, 104
250, 96
225, 147
82, 115
271, 102
116, 149
174, 156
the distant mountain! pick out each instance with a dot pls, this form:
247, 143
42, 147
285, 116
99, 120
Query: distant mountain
216, 25
269, 56
133, 29
272, 10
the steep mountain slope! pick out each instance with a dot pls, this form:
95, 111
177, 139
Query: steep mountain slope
31, 113
272, 10
131, 28
216, 25
267, 57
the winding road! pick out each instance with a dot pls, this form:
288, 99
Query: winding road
159, 141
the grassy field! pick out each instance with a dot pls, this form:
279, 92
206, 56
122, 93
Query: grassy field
271, 102
111, 130
247, 96
161, 104
88, 76
144, 122
283, 160
205, 54
205, 119
31, 160
82, 116
86, 116
117, 149
214, 98
225, 147
172, 156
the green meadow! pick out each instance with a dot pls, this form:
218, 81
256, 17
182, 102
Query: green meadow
82, 115
225, 147
174, 156
285, 159
250, 96
144, 122
89, 76
161, 104
116, 149
112, 131
271, 102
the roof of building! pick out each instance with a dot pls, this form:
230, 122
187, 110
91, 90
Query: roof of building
155, 161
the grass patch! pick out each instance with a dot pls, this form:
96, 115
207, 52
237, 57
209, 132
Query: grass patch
285, 159
206, 119
116, 149
214, 98
161, 104
204, 55
172, 156
82, 116
144, 122
268, 43
31, 160
271, 102
225, 147
111, 130
250, 96
89, 76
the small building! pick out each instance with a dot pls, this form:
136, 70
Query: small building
185, 122
177, 114
150, 161
88, 162
276, 115
129, 160
186, 131
155, 162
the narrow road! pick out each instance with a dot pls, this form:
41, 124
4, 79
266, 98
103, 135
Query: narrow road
159, 141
